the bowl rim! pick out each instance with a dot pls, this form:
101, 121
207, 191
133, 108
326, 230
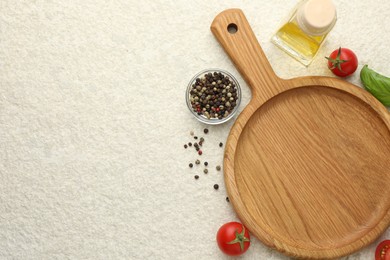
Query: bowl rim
214, 121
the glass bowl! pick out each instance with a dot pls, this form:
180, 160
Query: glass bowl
200, 115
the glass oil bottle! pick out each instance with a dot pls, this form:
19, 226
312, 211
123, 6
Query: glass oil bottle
305, 31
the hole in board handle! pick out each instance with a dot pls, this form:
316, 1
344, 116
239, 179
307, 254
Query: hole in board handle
232, 28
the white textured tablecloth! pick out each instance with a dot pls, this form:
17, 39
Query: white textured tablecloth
93, 122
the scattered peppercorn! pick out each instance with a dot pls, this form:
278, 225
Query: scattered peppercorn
197, 145
227, 199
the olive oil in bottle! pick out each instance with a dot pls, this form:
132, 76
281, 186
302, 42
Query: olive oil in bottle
303, 34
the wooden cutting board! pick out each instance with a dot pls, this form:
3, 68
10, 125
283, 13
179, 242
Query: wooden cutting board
307, 162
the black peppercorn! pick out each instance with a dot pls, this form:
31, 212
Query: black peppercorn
209, 92
206, 163
205, 171
196, 177
189, 144
197, 162
216, 186
218, 168
185, 146
227, 199
220, 144
195, 137
191, 165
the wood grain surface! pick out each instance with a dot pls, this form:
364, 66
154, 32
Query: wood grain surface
307, 162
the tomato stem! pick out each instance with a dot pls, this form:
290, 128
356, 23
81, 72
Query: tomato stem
240, 238
336, 63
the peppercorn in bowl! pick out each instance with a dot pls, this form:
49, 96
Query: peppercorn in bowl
213, 96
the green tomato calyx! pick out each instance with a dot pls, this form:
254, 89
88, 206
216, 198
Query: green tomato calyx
240, 238
336, 63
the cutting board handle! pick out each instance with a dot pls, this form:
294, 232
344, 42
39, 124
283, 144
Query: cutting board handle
234, 33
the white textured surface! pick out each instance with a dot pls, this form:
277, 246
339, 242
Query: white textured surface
93, 122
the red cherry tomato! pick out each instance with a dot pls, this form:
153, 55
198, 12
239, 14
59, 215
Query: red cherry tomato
382, 251
342, 62
233, 238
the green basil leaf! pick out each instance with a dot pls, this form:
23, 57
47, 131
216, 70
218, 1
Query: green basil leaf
377, 84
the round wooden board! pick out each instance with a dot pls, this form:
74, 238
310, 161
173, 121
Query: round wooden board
307, 163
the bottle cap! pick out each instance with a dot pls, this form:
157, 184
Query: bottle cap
316, 17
